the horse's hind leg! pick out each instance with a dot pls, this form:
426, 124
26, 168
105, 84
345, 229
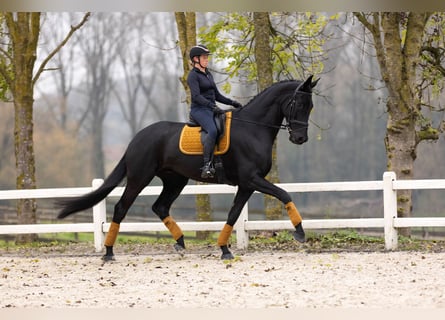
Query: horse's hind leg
120, 211
172, 187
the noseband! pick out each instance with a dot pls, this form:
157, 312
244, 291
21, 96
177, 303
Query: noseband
291, 107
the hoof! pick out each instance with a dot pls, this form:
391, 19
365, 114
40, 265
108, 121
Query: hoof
299, 233
107, 258
179, 249
227, 256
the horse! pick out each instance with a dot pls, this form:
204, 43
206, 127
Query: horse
154, 151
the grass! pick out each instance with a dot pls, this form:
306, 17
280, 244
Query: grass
63, 238
340, 240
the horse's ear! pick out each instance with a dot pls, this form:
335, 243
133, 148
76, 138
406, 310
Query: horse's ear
306, 86
314, 83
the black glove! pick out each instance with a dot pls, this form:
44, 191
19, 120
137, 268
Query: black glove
236, 104
218, 110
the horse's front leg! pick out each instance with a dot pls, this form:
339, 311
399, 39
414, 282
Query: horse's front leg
240, 200
262, 185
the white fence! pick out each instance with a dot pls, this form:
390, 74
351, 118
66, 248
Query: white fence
389, 222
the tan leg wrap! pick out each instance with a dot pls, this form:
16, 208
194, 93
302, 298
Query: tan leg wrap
112, 234
173, 227
224, 236
293, 213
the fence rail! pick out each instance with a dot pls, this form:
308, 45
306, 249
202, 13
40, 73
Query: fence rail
99, 226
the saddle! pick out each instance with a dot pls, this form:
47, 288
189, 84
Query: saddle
190, 139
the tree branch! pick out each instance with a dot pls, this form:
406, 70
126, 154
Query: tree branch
364, 21
4, 73
437, 54
11, 24
373, 28
68, 36
427, 133
5, 53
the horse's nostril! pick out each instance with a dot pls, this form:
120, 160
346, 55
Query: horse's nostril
298, 140
301, 140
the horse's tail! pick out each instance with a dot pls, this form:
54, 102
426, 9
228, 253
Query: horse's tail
88, 200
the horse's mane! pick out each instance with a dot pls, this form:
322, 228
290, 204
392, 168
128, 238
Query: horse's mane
266, 91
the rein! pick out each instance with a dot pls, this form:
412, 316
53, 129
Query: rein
287, 126
281, 127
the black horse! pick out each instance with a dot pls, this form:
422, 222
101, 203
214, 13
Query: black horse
154, 152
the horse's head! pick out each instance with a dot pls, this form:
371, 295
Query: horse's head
297, 111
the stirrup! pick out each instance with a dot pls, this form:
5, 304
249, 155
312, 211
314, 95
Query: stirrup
207, 170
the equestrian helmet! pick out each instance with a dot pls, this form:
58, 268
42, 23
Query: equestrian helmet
198, 50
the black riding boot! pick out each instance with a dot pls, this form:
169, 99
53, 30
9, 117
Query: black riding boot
208, 171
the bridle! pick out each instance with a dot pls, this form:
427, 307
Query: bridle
291, 105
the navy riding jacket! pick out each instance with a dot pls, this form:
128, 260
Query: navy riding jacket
203, 89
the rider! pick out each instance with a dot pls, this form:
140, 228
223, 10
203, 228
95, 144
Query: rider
204, 94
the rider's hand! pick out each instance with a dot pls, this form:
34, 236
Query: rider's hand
236, 104
218, 110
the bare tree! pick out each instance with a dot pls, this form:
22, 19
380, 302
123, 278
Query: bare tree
147, 86
99, 46
131, 59
17, 62
63, 67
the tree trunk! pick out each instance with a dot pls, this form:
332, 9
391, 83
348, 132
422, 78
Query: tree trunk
24, 31
25, 160
398, 54
263, 57
400, 143
17, 68
186, 24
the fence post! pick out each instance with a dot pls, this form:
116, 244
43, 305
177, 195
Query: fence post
99, 218
242, 236
389, 210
